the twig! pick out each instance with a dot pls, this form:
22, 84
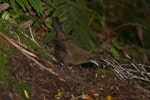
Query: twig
32, 37
35, 59
28, 54
138, 71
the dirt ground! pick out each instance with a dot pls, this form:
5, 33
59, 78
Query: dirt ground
29, 81
44, 78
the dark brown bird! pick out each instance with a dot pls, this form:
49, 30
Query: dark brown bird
67, 52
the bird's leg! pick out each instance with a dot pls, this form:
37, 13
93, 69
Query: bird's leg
71, 71
61, 67
69, 68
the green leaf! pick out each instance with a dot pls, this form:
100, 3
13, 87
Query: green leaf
49, 36
5, 15
111, 50
13, 5
26, 4
114, 53
37, 5
117, 44
20, 2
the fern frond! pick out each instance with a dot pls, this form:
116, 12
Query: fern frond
75, 22
36, 4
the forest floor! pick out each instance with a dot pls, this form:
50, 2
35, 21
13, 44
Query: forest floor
26, 80
30, 73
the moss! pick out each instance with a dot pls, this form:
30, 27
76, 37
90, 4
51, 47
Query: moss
22, 87
134, 53
19, 34
6, 49
3, 69
106, 72
143, 83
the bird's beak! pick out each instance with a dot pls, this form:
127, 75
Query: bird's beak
94, 62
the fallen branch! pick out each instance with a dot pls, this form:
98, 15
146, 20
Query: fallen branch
28, 54
130, 70
36, 59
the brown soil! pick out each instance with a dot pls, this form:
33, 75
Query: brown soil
83, 83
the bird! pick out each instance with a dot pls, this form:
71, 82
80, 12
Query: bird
67, 52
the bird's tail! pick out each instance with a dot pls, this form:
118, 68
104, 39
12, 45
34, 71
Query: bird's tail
57, 26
